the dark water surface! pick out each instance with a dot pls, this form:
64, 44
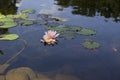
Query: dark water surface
68, 57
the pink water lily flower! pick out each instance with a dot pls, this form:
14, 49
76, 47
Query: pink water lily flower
50, 37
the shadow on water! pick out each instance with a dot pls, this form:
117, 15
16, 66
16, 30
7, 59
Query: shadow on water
106, 8
8, 6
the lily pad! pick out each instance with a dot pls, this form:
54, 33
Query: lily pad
68, 35
2, 16
8, 24
23, 16
66, 31
26, 22
8, 37
41, 22
86, 31
89, 44
6, 19
31, 11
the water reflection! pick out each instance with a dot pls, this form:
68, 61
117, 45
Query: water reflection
106, 8
9, 6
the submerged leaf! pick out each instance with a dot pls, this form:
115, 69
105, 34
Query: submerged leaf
91, 44
8, 36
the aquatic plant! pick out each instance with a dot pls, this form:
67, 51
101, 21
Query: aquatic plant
50, 37
2, 16
26, 22
22, 16
86, 31
90, 44
8, 24
8, 36
31, 11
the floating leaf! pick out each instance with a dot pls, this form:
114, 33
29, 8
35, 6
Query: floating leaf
26, 22
31, 11
6, 19
8, 24
41, 22
8, 36
68, 35
86, 31
89, 44
2, 16
66, 31
23, 16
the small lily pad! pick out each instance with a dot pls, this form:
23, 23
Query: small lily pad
26, 22
8, 37
31, 11
89, 44
8, 24
86, 31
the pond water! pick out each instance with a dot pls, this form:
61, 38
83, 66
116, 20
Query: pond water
68, 57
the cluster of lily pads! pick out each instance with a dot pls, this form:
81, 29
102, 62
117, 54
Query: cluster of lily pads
50, 22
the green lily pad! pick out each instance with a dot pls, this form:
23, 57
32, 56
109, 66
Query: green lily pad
23, 16
86, 31
31, 11
8, 24
66, 31
26, 22
41, 22
6, 19
2, 16
91, 44
8, 37
67, 35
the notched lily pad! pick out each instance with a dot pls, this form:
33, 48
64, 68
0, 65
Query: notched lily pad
26, 22
90, 44
31, 11
86, 31
8, 24
8, 37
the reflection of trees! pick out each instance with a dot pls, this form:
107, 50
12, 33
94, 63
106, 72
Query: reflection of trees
8, 6
106, 8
